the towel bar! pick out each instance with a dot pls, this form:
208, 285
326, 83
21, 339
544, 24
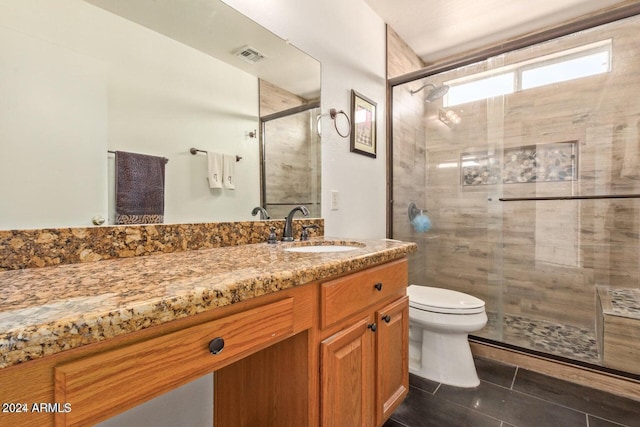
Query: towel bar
195, 151
113, 152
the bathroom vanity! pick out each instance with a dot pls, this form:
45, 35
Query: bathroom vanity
315, 338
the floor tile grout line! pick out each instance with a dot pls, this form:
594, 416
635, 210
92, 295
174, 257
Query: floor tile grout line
436, 390
533, 396
399, 422
462, 406
524, 393
556, 403
606, 419
520, 393
587, 414
467, 408
495, 384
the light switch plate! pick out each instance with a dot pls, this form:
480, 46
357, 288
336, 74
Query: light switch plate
334, 200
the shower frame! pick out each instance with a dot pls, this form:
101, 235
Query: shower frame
606, 16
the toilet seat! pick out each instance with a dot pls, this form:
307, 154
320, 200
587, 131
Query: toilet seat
446, 301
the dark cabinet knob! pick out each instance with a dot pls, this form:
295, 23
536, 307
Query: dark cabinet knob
378, 286
373, 327
216, 345
386, 318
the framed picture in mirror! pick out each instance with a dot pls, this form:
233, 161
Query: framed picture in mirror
363, 119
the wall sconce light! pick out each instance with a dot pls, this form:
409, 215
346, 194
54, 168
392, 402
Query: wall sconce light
449, 118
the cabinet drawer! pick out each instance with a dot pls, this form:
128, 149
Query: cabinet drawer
340, 298
106, 384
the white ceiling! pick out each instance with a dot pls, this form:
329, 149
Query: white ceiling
436, 29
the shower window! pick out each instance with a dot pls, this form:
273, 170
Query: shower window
479, 88
533, 193
564, 66
588, 62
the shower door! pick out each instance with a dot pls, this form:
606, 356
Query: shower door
528, 170
460, 248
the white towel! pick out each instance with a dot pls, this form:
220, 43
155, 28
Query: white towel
229, 169
214, 169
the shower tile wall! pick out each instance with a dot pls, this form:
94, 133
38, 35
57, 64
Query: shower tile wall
401, 59
530, 260
409, 151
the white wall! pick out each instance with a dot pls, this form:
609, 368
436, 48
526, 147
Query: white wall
49, 169
348, 38
188, 406
78, 81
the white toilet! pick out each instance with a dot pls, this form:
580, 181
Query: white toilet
439, 322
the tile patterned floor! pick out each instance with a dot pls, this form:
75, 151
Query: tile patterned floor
549, 337
512, 397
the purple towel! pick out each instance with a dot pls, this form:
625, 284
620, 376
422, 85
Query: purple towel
139, 188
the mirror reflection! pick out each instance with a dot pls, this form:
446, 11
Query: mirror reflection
82, 79
290, 152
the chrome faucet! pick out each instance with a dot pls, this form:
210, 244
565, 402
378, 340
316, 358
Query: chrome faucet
263, 212
287, 235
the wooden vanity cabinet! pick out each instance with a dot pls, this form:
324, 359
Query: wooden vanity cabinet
103, 379
392, 356
364, 348
347, 376
331, 353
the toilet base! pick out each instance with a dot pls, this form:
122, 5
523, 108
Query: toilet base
444, 358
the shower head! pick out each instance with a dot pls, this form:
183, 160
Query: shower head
435, 93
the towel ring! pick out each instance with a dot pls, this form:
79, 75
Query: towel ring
333, 113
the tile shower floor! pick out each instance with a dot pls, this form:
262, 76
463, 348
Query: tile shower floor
510, 396
549, 337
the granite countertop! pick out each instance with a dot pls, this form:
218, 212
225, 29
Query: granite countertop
47, 310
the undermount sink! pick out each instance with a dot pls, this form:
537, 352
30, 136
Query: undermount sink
325, 246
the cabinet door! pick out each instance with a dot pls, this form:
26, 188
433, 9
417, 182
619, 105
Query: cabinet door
347, 369
392, 351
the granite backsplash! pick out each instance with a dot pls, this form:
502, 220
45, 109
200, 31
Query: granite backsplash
47, 247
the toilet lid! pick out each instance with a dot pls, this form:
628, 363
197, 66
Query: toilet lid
443, 300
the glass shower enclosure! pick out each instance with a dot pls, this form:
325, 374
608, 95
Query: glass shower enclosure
526, 166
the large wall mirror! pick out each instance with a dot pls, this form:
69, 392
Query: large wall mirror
83, 79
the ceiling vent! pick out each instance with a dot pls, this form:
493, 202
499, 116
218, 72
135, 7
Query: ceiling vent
250, 54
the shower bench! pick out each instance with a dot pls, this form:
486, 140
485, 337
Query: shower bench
618, 327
